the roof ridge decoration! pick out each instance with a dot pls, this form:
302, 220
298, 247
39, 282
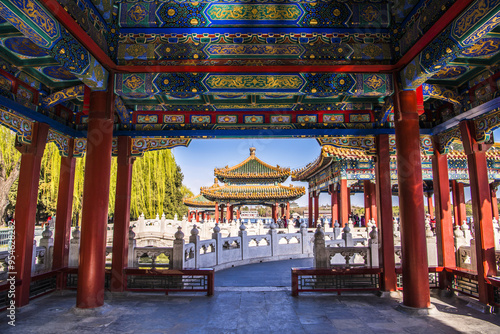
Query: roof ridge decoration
252, 167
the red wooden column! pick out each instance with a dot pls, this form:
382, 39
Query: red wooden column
216, 212
229, 212
430, 207
90, 290
238, 213
416, 291
197, 216
282, 209
27, 195
366, 195
310, 207
64, 209
373, 202
494, 201
222, 213
481, 209
344, 204
444, 221
122, 214
287, 216
334, 203
316, 208
384, 203
458, 202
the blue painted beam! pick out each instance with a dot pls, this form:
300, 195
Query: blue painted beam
253, 30
12, 105
470, 114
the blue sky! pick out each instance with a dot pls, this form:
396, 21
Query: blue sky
201, 157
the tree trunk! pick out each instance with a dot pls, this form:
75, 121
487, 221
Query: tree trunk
5, 186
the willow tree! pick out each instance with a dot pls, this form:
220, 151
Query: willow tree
157, 186
10, 163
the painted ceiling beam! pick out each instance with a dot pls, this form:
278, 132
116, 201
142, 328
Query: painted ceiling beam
36, 116
142, 85
44, 30
478, 19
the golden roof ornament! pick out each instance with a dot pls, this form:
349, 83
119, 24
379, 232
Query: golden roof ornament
252, 151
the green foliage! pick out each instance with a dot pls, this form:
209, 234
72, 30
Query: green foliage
156, 184
10, 160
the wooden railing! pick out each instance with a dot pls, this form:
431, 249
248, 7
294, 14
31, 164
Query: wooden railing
334, 280
151, 280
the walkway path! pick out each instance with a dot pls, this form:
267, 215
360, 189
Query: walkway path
243, 304
266, 274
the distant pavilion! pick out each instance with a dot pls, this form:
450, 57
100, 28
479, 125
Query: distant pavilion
199, 207
251, 182
342, 171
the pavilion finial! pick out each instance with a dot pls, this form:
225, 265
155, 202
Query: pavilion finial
252, 151
216, 181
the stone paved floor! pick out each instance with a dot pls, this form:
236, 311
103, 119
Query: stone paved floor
240, 305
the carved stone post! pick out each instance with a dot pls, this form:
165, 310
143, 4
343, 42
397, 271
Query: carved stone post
321, 259
244, 241
74, 248
48, 243
305, 240
373, 245
131, 261
274, 239
178, 250
218, 243
336, 230
432, 256
347, 236
194, 238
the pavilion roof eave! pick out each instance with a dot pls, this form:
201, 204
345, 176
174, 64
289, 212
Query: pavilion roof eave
317, 166
198, 201
268, 193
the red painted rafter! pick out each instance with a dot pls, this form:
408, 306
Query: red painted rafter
241, 113
69, 23
62, 16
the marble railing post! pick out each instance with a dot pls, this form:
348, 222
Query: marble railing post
336, 230
178, 250
373, 245
321, 259
48, 243
459, 238
304, 237
244, 241
131, 260
218, 243
33, 257
194, 238
74, 248
347, 236
432, 256
274, 239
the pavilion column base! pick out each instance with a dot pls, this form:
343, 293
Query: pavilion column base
390, 294
92, 312
417, 311
476, 304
